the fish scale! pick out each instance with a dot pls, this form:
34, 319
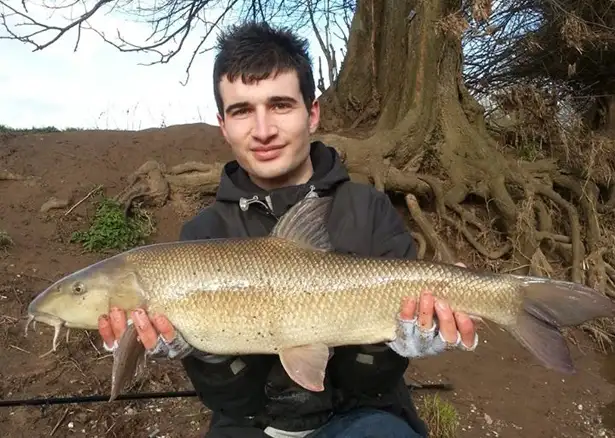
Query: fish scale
293, 295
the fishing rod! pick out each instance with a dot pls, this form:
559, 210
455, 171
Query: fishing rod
46, 401
93, 398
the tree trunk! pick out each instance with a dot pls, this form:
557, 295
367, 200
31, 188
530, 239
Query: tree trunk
601, 116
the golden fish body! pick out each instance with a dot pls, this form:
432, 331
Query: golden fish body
264, 295
291, 294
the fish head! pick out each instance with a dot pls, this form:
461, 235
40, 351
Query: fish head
75, 301
79, 299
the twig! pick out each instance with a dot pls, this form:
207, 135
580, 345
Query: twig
59, 422
94, 190
20, 349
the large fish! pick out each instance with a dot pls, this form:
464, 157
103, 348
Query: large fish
290, 294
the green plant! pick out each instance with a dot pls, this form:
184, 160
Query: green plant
441, 416
112, 229
5, 239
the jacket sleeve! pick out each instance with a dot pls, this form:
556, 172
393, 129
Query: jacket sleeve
363, 221
389, 235
232, 386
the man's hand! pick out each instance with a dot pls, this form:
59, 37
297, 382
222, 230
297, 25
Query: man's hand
156, 333
420, 336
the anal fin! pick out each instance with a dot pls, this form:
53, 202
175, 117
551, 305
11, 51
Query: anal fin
306, 365
128, 360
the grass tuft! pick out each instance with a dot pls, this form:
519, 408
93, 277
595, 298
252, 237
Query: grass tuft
441, 417
112, 229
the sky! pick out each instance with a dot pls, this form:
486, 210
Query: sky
100, 87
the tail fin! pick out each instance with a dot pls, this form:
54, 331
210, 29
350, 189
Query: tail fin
550, 304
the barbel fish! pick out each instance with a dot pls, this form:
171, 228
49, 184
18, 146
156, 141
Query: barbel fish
290, 294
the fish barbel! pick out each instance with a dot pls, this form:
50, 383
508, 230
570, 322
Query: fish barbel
292, 295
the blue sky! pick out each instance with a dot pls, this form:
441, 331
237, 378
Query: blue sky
100, 87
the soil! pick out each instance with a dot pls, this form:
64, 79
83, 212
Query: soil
499, 391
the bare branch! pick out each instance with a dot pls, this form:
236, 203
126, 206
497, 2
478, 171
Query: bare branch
174, 24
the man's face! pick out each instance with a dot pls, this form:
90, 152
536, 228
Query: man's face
268, 126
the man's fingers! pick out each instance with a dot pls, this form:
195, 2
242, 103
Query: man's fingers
105, 330
164, 327
408, 309
460, 264
466, 328
446, 321
426, 304
145, 329
117, 317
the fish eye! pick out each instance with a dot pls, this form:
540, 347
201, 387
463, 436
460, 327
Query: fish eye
78, 288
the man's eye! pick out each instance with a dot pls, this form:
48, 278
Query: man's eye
281, 105
240, 112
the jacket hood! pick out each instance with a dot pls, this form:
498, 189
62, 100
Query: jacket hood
329, 172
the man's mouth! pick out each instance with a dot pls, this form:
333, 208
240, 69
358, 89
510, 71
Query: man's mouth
53, 321
265, 153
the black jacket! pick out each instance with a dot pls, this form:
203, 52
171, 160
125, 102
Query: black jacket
254, 390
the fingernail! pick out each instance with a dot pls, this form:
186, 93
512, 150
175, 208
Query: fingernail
442, 305
137, 316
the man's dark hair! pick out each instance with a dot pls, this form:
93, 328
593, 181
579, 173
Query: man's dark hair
255, 51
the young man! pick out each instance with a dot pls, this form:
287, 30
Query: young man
264, 90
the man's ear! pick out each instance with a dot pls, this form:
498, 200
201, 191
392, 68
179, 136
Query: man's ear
222, 126
314, 116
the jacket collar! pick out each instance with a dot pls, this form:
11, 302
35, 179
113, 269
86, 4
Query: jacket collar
329, 172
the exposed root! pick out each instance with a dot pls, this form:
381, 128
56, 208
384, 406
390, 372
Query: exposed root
493, 255
422, 244
575, 230
152, 184
53, 203
442, 251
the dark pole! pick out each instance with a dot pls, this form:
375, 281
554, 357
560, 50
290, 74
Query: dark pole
46, 401
94, 398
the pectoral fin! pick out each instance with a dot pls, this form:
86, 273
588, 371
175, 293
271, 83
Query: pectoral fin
128, 358
306, 365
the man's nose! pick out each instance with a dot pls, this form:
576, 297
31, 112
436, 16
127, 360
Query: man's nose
265, 126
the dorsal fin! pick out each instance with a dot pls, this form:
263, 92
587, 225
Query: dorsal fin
305, 224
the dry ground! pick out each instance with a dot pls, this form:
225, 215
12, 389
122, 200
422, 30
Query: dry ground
499, 391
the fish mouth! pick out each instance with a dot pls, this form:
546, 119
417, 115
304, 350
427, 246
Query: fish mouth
51, 320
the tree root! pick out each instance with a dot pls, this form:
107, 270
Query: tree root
153, 185
442, 251
422, 244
